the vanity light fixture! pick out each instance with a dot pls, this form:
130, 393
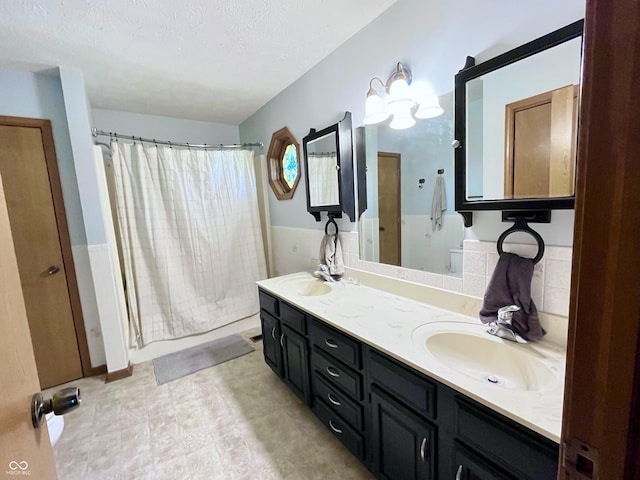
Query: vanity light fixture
404, 100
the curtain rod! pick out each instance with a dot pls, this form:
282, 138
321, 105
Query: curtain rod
95, 132
322, 154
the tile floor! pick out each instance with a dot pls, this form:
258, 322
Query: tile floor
236, 420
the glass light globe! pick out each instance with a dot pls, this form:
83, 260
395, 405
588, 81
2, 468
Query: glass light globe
402, 120
375, 110
427, 100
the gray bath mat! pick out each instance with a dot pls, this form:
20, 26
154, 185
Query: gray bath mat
185, 362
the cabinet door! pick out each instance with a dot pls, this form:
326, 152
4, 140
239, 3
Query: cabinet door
471, 466
271, 342
403, 444
296, 363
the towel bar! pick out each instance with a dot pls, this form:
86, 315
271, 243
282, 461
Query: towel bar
521, 225
331, 221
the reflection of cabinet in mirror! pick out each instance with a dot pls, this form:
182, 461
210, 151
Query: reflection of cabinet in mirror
540, 139
389, 208
328, 161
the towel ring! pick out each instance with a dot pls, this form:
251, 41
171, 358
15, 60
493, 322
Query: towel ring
521, 225
331, 221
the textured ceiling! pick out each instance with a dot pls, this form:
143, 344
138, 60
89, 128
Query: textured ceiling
213, 60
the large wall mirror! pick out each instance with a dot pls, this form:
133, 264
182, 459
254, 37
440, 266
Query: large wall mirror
401, 171
516, 120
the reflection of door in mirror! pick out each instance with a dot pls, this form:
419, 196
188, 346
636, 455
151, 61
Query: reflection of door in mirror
540, 139
389, 208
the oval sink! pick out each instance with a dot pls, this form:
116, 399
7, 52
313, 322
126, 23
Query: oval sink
469, 350
306, 287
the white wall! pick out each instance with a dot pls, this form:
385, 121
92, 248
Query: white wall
165, 128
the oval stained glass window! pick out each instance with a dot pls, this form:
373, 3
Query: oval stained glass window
290, 165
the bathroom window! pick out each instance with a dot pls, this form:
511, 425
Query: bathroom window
290, 165
284, 164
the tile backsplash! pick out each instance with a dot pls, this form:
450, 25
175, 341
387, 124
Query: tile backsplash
297, 249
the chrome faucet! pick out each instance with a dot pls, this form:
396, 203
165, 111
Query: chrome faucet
323, 272
503, 327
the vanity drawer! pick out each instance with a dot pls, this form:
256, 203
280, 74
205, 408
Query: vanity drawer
338, 402
337, 344
269, 303
519, 451
343, 432
337, 373
293, 317
414, 391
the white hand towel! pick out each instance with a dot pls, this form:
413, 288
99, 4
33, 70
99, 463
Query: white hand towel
439, 204
331, 254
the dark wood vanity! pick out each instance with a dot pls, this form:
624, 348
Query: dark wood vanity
400, 423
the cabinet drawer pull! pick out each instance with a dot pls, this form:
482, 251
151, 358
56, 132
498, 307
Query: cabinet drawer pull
335, 429
459, 473
423, 449
332, 400
331, 371
273, 333
330, 343
282, 340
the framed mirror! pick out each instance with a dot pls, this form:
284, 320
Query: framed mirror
328, 161
516, 119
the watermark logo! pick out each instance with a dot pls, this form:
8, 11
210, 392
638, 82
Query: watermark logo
18, 468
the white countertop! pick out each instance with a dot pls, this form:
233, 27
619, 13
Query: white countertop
398, 326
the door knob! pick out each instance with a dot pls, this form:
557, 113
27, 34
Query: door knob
62, 402
53, 269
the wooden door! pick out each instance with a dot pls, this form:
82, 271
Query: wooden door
389, 208
22, 448
602, 385
35, 225
540, 146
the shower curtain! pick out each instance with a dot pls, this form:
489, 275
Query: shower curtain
323, 179
191, 238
